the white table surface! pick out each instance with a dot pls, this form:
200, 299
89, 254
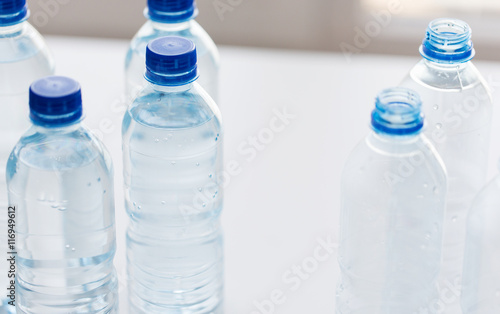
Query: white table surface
286, 199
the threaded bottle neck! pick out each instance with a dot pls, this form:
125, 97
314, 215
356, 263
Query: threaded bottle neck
397, 112
447, 41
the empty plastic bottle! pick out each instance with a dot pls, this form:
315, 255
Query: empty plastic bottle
24, 57
172, 150
60, 180
458, 109
393, 193
481, 273
172, 18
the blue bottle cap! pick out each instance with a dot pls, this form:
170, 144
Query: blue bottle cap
448, 41
171, 61
397, 112
55, 101
171, 11
13, 12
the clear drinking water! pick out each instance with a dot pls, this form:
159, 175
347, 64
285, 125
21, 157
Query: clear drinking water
458, 108
393, 193
172, 150
481, 274
60, 179
24, 57
172, 18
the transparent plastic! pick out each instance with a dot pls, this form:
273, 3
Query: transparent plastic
458, 109
208, 55
481, 274
393, 190
61, 182
172, 150
24, 57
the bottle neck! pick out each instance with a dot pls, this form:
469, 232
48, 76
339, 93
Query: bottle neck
446, 66
171, 27
12, 30
60, 129
394, 144
171, 89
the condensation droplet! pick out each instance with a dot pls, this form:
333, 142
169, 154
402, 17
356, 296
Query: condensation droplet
427, 236
454, 218
216, 139
197, 164
435, 107
210, 175
89, 184
67, 246
204, 205
134, 203
157, 140
439, 126
163, 202
139, 207
435, 190
62, 208
73, 249
165, 139
173, 163
425, 185
99, 179
200, 189
104, 192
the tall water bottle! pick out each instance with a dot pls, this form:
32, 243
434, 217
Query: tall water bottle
393, 192
172, 18
458, 108
24, 58
60, 181
481, 274
172, 151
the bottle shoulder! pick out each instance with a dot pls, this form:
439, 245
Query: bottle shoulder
381, 159
22, 43
59, 150
189, 108
447, 78
191, 30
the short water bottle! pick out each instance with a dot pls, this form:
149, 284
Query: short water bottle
393, 191
481, 273
172, 18
24, 57
172, 150
60, 182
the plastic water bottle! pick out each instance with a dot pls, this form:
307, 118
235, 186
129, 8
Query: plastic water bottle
60, 180
481, 274
172, 18
393, 192
172, 150
458, 108
24, 58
